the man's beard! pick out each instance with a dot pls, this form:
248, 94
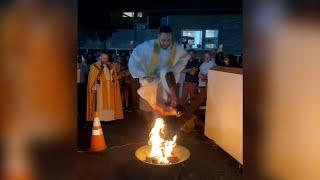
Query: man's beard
164, 47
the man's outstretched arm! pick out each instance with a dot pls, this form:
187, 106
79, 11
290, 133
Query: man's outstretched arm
137, 62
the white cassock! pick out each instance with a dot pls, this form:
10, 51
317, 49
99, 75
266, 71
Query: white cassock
139, 66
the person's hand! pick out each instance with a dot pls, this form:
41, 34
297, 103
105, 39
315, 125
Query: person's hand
173, 98
174, 102
193, 71
163, 111
201, 76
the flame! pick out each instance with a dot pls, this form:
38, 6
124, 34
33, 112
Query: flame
161, 149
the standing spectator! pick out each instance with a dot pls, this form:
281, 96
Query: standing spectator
125, 82
219, 58
84, 70
103, 92
204, 68
239, 61
213, 56
231, 60
191, 78
125, 87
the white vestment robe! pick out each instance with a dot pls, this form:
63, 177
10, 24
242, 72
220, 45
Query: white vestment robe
139, 64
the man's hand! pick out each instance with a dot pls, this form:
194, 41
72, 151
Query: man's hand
220, 48
172, 99
163, 111
202, 76
193, 71
190, 70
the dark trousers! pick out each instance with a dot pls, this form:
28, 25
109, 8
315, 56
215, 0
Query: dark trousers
82, 100
134, 95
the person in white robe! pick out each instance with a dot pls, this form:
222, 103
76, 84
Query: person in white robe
151, 62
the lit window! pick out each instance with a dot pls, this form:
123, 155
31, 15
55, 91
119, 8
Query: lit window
211, 39
194, 38
131, 14
211, 46
211, 33
127, 14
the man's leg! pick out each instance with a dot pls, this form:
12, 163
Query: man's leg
147, 118
145, 113
189, 119
189, 92
193, 89
135, 97
184, 94
126, 96
178, 90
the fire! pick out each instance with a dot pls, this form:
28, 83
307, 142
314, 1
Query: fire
161, 149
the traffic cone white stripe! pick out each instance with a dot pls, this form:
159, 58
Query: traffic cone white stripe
97, 132
96, 122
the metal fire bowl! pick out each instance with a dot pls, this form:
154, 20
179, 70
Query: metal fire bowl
181, 152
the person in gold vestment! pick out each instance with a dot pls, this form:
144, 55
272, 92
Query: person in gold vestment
103, 90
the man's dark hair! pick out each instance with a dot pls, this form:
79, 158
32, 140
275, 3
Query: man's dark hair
165, 29
192, 50
232, 60
105, 52
207, 52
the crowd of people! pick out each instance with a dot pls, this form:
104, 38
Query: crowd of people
193, 78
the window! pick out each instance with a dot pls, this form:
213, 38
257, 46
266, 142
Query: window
140, 14
131, 14
211, 46
211, 33
211, 39
127, 14
193, 38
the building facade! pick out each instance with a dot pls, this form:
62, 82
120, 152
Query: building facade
200, 32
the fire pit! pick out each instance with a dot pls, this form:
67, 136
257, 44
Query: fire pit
160, 151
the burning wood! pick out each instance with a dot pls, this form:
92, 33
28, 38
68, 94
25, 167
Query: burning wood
160, 151
154, 160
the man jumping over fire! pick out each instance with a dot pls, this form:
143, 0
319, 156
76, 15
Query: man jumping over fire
158, 63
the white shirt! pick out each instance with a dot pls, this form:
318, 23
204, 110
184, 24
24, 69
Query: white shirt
182, 77
204, 68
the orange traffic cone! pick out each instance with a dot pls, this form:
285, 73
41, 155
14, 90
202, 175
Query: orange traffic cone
98, 143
